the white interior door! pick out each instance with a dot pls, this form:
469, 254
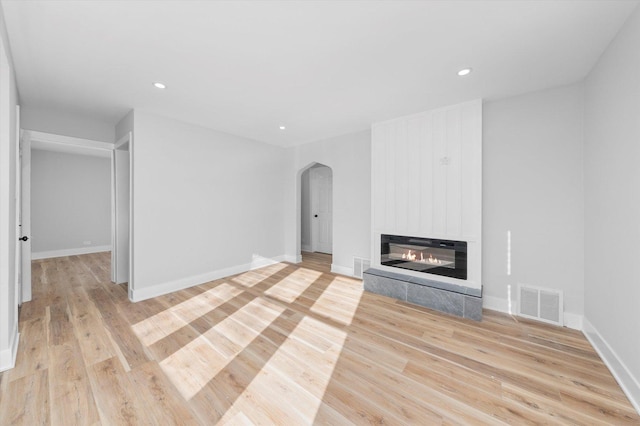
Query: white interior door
120, 253
24, 218
321, 186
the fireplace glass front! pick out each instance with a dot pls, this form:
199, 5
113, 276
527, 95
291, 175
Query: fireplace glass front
433, 256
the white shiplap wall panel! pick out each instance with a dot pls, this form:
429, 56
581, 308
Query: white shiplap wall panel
452, 171
439, 201
415, 173
379, 137
402, 175
390, 177
427, 180
471, 186
426, 173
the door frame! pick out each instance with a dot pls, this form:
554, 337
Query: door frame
317, 207
60, 143
298, 208
124, 143
23, 215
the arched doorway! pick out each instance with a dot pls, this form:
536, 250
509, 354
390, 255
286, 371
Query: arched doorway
316, 209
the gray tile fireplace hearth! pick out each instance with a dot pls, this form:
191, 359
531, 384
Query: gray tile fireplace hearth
452, 299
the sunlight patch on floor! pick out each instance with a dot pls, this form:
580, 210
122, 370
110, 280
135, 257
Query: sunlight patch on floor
256, 276
289, 289
241, 344
298, 390
168, 321
332, 304
194, 365
246, 324
239, 419
157, 327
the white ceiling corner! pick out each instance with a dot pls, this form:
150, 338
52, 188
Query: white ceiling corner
322, 68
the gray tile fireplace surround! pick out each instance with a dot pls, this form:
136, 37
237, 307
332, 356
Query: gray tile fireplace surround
452, 299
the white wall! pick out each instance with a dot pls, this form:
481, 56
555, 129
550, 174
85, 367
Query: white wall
124, 126
532, 188
612, 206
70, 203
8, 225
349, 157
205, 204
63, 123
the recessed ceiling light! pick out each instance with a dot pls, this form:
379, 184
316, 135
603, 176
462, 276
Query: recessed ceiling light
159, 85
282, 127
464, 71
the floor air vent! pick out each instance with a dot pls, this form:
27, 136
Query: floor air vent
540, 303
359, 266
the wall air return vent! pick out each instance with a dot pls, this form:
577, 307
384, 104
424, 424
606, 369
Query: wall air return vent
541, 304
359, 266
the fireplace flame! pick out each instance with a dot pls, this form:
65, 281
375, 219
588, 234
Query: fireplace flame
409, 255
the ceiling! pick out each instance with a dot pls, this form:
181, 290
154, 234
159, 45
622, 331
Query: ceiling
320, 68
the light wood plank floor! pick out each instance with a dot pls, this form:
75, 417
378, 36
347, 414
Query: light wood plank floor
317, 261
287, 344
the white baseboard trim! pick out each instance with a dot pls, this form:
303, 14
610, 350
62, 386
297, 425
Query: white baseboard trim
68, 252
260, 262
138, 295
8, 356
305, 247
342, 270
496, 304
630, 385
570, 320
573, 321
291, 258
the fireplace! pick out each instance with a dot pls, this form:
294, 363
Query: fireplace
433, 256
